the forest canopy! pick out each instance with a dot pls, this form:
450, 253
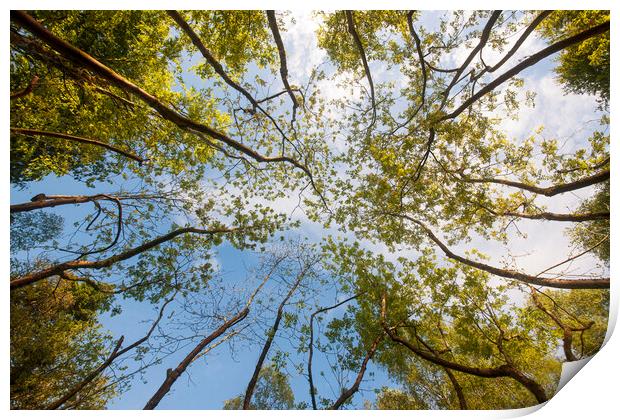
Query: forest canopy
281, 210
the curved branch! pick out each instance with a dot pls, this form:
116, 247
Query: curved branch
567, 338
273, 24
272, 333
348, 393
455, 383
119, 228
41, 201
83, 140
558, 217
311, 345
528, 62
494, 372
57, 269
440, 70
360, 48
27, 90
583, 283
546, 191
76, 55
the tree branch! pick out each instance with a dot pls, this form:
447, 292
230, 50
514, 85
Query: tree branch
455, 383
495, 372
567, 338
173, 374
311, 345
57, 269
83, 140
78, 56
558, 217
114, 355
274, 329
528, 62
219, 69
348, 393
41, 201
546, 191
360, 48
582, 283
273, 24
520, 41
27, 90
486, 32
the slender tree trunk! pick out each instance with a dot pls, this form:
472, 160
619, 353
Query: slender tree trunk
348, 393
311, 345
457, 389
173, 374
261, 358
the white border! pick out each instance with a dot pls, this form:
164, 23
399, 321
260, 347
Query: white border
593, 394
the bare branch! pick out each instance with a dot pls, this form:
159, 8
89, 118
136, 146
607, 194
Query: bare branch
271, 335
311, 344
114, 355
173, 374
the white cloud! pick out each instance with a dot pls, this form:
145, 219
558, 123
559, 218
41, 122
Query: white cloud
303, 53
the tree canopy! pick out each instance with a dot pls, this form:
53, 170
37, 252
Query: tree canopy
365, 207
